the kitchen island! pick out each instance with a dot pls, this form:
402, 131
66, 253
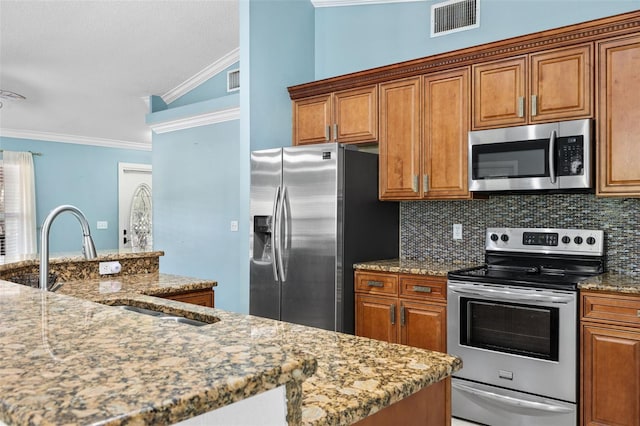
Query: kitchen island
64, 359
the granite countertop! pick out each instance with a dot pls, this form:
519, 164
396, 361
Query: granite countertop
68, 360
417, 267
612, 282
153, 284
65, 360
56, 258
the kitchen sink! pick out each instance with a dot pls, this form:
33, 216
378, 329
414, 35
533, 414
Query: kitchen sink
162, 315
33, 280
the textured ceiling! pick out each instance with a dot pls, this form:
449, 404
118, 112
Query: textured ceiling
85, 66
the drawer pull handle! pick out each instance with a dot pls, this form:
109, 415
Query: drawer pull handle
421, 289
638, 313
375, 283
392, 314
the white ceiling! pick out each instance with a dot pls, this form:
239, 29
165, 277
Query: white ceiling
86, 66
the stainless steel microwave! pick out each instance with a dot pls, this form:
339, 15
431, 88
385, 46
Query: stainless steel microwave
550, 156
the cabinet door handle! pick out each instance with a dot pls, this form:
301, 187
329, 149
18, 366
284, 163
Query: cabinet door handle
425, 183
414, 185
335, 132
402, 316
327, 133
534, 105
638, 313
421, 289
521, 106
392, 313
375, 283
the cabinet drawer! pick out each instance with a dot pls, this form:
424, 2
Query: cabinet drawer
198, 297
376, 283
616, 308
431, 288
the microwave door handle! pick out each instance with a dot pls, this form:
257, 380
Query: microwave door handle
552, 157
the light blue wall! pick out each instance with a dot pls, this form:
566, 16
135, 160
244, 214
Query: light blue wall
354, 38
214, 87
195, 188
81, 175
281, 39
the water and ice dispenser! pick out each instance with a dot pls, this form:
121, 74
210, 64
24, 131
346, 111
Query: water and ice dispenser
262, 227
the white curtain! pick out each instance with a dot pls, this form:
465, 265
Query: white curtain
19, 204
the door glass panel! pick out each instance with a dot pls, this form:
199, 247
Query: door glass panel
512, 328
511, 160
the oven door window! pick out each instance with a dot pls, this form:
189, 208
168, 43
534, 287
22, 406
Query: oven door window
526, 330
522, 159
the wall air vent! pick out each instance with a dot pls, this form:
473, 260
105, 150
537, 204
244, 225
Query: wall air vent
233, 80
454, 15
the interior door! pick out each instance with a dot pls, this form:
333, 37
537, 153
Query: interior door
130, 177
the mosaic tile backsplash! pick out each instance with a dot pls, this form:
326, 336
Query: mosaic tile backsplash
426, 226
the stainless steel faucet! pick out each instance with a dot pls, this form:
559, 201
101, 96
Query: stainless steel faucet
88, 248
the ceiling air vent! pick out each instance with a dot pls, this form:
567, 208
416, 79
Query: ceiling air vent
454, 15
233, 80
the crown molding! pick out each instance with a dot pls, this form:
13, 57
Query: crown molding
338, 3
196, 120
204, 75
74, 139
570, 35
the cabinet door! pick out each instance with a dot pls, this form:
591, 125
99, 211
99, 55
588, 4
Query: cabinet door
618, 124
376, 317
499, 93
399, 139
610, 376
561, 82
423, 325
311, 120
355, 115
446, 117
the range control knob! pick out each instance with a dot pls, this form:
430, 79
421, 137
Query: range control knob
494, 237
566, 239
577, 240
591, 241
504, 237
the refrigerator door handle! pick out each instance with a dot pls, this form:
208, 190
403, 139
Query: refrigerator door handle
274, 233
283, 208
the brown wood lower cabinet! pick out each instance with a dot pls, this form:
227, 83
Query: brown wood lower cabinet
195, 297
411, 310
610, 359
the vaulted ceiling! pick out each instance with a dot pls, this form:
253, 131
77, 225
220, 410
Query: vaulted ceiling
85, 67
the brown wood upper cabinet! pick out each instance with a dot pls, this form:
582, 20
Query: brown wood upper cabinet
424, 123
547, 86
347, 116
618, 125
445, 118
399, 142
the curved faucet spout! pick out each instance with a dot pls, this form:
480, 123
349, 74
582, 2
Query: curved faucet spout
88, 248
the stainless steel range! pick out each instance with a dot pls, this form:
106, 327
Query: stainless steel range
514, 323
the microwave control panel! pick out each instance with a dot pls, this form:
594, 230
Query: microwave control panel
570, 155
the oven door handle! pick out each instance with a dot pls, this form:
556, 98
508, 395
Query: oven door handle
511, 401
510, 295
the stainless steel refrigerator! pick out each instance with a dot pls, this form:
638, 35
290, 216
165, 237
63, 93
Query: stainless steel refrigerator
314, 213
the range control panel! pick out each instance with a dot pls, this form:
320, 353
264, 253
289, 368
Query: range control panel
546, 240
